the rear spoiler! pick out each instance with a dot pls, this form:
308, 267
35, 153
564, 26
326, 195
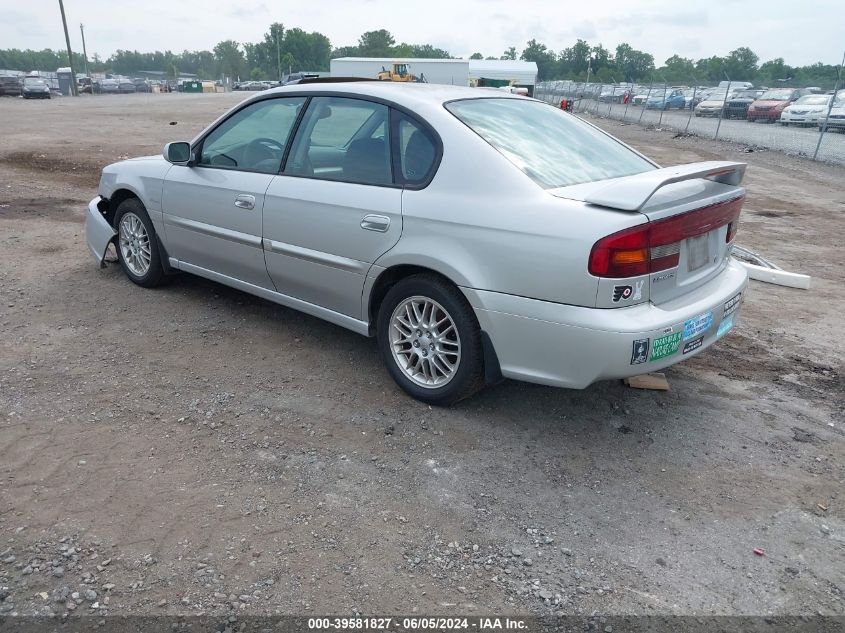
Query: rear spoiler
631, 193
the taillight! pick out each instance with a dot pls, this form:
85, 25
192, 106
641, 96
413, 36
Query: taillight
656, 246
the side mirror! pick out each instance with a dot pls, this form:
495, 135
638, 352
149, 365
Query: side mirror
178, 153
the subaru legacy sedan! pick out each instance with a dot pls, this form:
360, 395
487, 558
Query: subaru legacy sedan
476, 234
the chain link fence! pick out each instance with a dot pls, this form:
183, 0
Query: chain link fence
802, 123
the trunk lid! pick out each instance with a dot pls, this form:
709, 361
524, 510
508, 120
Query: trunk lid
690, 209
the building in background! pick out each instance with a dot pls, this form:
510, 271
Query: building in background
497, 73
454, 72
489, 73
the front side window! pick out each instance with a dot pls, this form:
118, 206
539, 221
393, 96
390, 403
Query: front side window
254, 138
343, 139
553, 148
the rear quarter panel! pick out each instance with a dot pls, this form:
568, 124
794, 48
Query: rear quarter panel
485, 225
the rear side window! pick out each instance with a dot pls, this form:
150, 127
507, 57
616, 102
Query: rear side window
555, 149
342, 139
415, 151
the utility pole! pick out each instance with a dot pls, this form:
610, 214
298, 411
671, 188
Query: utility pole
84, 51
829, 107
73, 89
278, 57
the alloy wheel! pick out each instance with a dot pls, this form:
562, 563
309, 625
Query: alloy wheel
425, 342
134, 244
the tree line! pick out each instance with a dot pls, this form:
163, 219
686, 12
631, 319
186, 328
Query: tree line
290, 49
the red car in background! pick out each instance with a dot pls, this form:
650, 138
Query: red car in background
772, 102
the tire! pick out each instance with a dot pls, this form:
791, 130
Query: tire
464, 336
137, 245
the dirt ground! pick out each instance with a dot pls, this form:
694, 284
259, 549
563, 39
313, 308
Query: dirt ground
193, 449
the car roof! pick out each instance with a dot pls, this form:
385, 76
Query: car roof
402, 93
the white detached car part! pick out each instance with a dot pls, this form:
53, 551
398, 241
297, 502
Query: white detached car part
477, 235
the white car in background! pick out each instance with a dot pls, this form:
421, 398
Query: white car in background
808, 110
836, 121
476, 235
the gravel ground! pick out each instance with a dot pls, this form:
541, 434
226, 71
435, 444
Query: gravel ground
193, 449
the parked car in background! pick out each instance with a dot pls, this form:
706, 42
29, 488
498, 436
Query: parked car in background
475, 234
806, 110
712, 104
250, 85
772, 102
691, 94
666, 99
11, 85
142, 85
640, 98
35, 88
106, 86
295, 78
737, 105
836, 120
125, 86
84, 85
612, 94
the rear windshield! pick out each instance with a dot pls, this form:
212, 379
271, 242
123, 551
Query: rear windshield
555, 149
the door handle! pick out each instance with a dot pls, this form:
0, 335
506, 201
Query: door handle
245, 201
378, 223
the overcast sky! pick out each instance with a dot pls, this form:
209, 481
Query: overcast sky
801, 32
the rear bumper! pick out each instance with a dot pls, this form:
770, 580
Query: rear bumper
571, 346
98, 232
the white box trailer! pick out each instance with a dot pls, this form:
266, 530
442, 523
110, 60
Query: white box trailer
453, 72
517, 72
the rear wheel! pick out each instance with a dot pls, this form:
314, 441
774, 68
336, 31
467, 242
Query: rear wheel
430, 340
137, 248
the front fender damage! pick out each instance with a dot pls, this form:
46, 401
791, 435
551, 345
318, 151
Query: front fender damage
98, 232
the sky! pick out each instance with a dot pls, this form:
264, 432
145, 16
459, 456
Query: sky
800, 32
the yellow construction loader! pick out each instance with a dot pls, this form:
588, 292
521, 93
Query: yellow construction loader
399, 72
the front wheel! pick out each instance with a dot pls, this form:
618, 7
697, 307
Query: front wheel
430, 340
137, 248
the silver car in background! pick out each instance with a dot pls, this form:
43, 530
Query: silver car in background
478, 235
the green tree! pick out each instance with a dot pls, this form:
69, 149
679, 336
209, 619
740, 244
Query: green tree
311, 51
741, 64
543, 57
772, 71
574, 60
678, 69
230, 59
633, 65
710, 69
376, 44
510, 53
476, 56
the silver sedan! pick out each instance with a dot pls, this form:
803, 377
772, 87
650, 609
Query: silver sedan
477, 235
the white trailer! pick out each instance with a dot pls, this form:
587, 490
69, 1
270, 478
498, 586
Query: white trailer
453, 72
516, 72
